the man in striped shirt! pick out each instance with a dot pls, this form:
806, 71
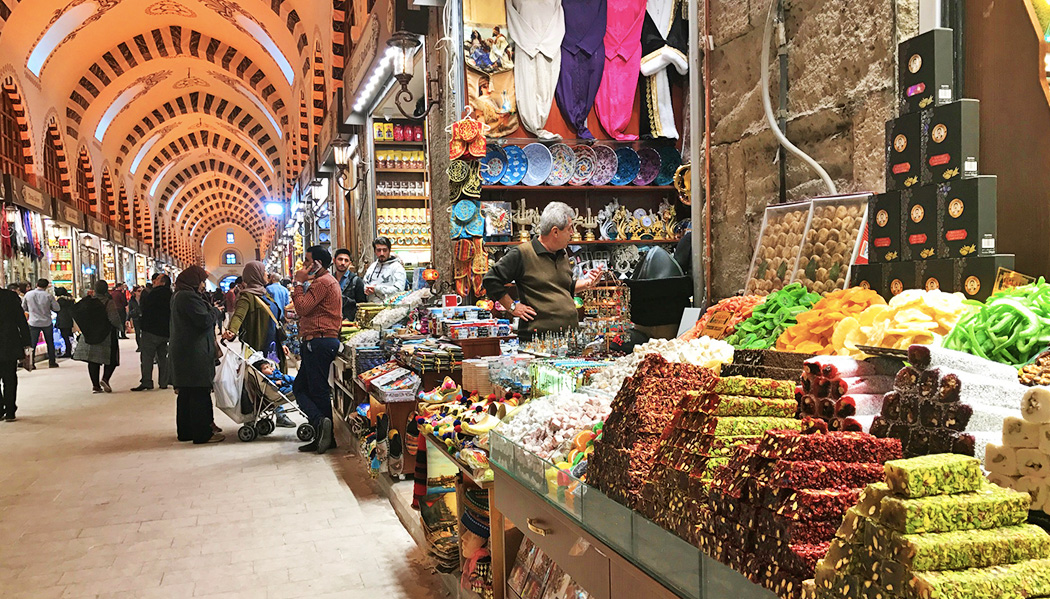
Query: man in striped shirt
319, 304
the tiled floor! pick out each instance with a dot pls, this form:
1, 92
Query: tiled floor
98, 499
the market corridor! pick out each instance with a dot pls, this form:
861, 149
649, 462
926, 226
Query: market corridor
98, 499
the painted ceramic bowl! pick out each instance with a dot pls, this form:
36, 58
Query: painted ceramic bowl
564, 162
517, 165
540, 164
670, 160
493, 165
605, 165
627, 166
649, 167
585, 163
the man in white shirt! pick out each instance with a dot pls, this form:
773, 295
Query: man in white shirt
385, 278
40, 303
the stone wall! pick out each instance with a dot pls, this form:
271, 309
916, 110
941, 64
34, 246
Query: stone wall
841, 78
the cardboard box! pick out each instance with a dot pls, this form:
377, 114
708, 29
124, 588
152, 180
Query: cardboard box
975, 277
919, 213
935, 274
899, 276
903, 151
966, 217
925, 71
884, 227
869, 276
951, 141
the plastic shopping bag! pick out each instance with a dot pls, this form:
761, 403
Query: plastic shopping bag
229, 378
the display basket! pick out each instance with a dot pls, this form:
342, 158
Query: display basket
832, 242
775, 259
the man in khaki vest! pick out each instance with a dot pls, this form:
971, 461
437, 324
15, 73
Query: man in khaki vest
543, 274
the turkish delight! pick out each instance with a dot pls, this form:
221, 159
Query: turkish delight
988, 507
1035, 487
761, 371
853, 522
880, 427
927, 356
738, 405
816, 504
871, 498
833, 367
861, 384
1032, 462
866, 404
935, 474
802, 559
907, 380
974, 388
959, 550
836, 447
737, 385
825, 475
729, 426
1024, 579
949, 415
1020, 433
1035, 405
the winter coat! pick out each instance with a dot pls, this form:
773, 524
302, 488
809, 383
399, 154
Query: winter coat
14, 329
64, 320
254, 324
191, 346
105, 350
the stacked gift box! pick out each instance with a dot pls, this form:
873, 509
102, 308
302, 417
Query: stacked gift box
935, 529
843, 392
775, 507
935, 227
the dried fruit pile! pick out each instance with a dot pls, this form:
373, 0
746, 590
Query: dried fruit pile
770, 318
740, 305
815, 329
912, 316
1012, 327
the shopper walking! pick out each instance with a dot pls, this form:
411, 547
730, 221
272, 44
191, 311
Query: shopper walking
39, 303
351, 285
99, 320
14, 346
135, 314
191, 353
230, 298
64, 319
152, 331
120, 299
320, 310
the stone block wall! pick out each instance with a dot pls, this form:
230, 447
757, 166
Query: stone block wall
841, 82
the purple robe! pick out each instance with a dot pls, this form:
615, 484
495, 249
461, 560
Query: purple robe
582, 61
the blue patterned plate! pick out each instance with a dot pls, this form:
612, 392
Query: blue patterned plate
493, 165
627, 166
517, 165
604, 166
585, 163
670, 160
564, 164
540, 164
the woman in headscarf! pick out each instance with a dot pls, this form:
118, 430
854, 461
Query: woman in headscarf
191, 352
100, 324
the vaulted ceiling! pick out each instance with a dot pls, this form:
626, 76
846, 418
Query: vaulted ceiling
201, 109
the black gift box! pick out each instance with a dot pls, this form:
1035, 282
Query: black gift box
925, 73
975, 277
869, 276
903, 151
935, 274
884, 227
899, 276
966, 217
919, 213
951, 140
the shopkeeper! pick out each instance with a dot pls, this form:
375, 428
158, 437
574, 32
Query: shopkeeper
385, 278
543, 274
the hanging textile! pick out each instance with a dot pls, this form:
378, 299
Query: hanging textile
489, 56
582, 61
623, 54
538, 27
665, 44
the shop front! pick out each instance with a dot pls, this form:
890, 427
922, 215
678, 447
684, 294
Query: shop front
24, 246
67, 234
143, 263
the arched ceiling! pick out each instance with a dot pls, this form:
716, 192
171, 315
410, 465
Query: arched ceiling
193, 105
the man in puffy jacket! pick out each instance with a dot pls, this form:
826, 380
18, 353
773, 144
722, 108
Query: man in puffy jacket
385, 278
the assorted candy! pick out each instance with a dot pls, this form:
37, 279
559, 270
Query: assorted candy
815, 329
770, 318
741, 307
1022, 461
1012, 327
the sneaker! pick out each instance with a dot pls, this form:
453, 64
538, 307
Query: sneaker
105, 386
284, 421
214, 429
324, 436
213, 439
53, 365
310, 447
96, 390
10, 419
142, 388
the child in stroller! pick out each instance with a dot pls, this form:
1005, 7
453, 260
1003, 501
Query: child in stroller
283, 382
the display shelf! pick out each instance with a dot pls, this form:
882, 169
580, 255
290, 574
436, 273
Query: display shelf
402, 170
414, 144
578, 188
595, 242
413, 198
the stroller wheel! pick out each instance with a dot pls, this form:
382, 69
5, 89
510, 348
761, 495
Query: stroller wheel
264, 427
305, 432
246, 433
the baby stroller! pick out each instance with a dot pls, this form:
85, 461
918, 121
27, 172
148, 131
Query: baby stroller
256, 407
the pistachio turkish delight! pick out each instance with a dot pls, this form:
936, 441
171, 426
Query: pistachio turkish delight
871, 498
990, 506
934, 475
1025, 579
738, 385
738, 405
959, 550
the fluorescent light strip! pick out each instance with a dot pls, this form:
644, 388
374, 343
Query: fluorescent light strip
267, 42
58, 31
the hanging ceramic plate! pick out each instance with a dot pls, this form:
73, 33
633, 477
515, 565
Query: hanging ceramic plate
649, 167
540, 164
517, 165
585, 162
564, 162
627, 165
605, 165
670, 160
493, 165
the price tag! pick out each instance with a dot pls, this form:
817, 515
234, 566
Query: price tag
718, 323
1008, 279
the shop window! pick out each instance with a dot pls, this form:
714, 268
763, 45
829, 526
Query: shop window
52, 180
12, 158
230, 258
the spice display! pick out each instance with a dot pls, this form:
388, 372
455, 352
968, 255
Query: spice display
740, 306
933, 475
815, 328
1009, 328
912, 316
770, 318
830, 243
1036, 373
779, 243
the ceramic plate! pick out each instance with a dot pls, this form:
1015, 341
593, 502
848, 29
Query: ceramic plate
564, 164
627, 165
493, 165
516, 167
585, 162
670, 160
540, 164
605, 165
649, 168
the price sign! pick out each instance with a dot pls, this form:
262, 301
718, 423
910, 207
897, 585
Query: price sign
1008, 279
718, 323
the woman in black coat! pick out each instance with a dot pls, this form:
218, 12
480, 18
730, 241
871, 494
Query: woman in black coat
191, 353
64, 319
100, 326
14, 345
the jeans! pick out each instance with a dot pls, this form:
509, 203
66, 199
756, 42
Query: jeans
49, 339
153, 348
123, 322
9, 381
311, 387
67, 338
93, 370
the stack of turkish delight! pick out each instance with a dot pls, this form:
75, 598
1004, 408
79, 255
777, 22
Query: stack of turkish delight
844, 392
935, 529
640, 412
766, 363
774, 508
703, 432
946, 400
1022, 462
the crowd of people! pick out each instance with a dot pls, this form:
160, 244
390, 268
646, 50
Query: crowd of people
178, 328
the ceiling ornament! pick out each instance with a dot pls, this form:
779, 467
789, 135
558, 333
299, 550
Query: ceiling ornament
169, 7
190, 81
148, 82
104, 6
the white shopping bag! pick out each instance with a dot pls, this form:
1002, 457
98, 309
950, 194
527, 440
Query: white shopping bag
229, 378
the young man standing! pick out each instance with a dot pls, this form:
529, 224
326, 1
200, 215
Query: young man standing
351, 285
40, 303
120, 298
320, 310
385, 278
156, 330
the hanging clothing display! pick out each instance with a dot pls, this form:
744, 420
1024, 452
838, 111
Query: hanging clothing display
623, 54
537, 27
582, 61
665, 44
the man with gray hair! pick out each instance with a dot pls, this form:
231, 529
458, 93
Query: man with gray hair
543, 274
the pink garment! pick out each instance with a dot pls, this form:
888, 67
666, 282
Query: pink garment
623, 61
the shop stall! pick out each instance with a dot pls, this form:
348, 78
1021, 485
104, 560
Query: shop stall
143, 263
26, 210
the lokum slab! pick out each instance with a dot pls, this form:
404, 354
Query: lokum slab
935, 474
990, 506
825, 475
1025, 579
740, 405
871, 497
1033, 462
954, 416
754, 387
838, 447
974, 388
1019, 433
906, 380
960, 550
761, 371
1035, 405
861, 384
816, 504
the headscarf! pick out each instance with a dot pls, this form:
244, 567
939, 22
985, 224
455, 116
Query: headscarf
191, 279
102, 291
254, 277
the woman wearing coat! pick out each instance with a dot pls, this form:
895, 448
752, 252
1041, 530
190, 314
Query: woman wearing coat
64, 319
100, 325
14, 347
191, 353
